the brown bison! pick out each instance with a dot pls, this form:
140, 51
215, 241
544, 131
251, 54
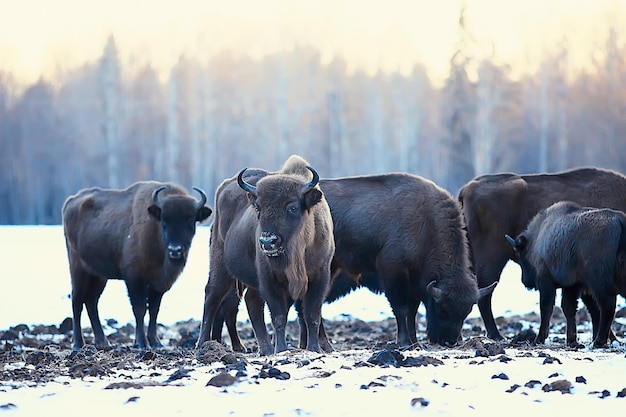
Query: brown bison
408, 234
140, 234
278, 240
574, 248
499, 204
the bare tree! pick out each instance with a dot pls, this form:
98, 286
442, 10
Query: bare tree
110, 80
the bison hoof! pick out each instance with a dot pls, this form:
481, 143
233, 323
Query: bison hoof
495, 336
599, 344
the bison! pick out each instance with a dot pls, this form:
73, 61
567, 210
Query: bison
406, 231
499, 204
410, 233
141, 234
574, 248
278, 240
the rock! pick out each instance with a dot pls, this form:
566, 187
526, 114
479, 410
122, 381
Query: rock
222, 380
562, 385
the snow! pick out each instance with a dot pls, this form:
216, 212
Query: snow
35, 290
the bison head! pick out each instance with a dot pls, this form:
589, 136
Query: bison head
447, 310
178, 214
521, 247
281, 203
446, 313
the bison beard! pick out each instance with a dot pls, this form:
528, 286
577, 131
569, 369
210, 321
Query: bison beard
141, 234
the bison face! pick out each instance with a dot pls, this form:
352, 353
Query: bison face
282, 204
446, 313
178, 215
521, 247
280, 219
445, 321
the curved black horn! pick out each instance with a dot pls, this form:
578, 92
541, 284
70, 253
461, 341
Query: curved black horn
436, 292
244, 185
482, 292
309, 185
203, 197
510, 240
155, 196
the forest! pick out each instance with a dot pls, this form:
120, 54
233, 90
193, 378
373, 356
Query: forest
110, 124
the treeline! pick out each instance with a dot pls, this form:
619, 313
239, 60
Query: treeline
107, 125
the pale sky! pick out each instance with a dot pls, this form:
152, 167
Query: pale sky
39, 36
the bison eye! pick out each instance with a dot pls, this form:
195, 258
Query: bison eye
292, 208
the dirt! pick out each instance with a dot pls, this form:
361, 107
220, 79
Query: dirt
37, 354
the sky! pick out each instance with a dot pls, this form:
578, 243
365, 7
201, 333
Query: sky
40, 37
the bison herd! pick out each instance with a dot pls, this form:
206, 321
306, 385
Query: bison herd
288, 238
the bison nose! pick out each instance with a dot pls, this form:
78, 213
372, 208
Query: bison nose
269, 241
175, 251
270, 244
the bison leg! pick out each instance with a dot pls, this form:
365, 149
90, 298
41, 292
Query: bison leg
396, 291
218, 285
312, 309
278, 303
484, 306
227, 313
87, 289
256, 311
488, 266
324, 342
606, 303
569, 304
594, 312
137, 293
154, 304
323, 338
547, 295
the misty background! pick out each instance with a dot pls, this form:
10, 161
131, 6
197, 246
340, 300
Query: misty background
110, 123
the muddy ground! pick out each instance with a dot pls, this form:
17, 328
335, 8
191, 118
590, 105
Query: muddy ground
37, 354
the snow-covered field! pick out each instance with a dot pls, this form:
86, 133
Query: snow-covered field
35, 288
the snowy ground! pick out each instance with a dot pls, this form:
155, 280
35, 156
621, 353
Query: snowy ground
479, 378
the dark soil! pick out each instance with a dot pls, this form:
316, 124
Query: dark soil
31, 355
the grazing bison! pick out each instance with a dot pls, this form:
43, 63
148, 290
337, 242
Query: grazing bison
279, 242
140, 234
409, 233
574, 248
499, 204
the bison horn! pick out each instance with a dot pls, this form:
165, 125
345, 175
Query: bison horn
486, 290
244, 185
309, 185
155, 196
203, 197
436, 292
510, 240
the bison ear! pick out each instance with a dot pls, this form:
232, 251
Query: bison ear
312, 197
155, 211
436, 292
251, 198
203, 213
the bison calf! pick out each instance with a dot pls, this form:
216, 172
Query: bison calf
140, 234
577, 249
